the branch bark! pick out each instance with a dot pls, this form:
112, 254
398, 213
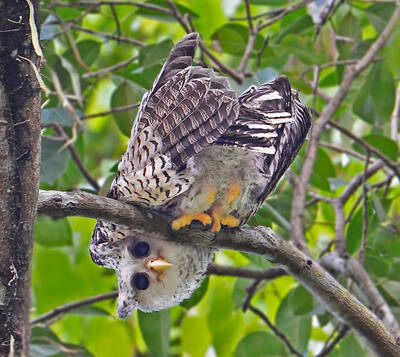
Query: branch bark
257, 240
19, 170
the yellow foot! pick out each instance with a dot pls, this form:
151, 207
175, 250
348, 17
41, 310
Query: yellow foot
187, 219
218, 220
233, 192
230, 221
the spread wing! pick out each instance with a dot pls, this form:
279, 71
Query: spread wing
272, 120
187, 109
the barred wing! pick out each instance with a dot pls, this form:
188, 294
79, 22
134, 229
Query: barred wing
272, 120
187, 109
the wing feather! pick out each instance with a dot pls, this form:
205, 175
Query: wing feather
187, 109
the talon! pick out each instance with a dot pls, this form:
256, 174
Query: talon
233, 192
230, 221
187, 219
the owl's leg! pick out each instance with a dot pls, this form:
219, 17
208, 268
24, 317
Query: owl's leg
220, 218
233, 192
206, 201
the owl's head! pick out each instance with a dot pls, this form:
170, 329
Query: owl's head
152, 274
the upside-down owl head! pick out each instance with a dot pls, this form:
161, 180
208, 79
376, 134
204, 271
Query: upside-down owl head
152, 274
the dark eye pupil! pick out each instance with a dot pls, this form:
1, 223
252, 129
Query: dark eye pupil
141, 281
141, 249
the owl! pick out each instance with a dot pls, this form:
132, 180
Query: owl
197, 153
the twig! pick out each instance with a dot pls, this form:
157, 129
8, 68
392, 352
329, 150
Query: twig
300, 192
112, 111
73, 305
330, 346
117, 24
342, 150
77, 159
283, 12
267, 274
106, 70
250, 291
104, 3
75, 50
369, 148
394, 119
250, 42
361, 253
258, 240
186, 26
68, 106
277, 333
357, 180
108, 36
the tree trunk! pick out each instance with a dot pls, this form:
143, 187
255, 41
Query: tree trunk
19, 170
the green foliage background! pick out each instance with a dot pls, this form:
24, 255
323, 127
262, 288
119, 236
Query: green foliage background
213, 321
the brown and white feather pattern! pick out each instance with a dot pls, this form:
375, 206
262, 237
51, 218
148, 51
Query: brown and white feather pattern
183, 112
273, 121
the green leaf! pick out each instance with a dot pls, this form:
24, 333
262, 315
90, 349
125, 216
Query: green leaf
127, 93
53, 162
155, 54
257, 344
223, 321
89, 51
376, 266
375, 99
323, 170
349, 27
57, 115
196, 338
303, 301
354, 233
197, 295
351, 347
239, 292
379, 15
296, 22
155, 330
233, 38
302, 48
386, 146
296, 328
52, 233
45, 343
257, 260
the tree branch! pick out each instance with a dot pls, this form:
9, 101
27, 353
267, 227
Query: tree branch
257, 240
277, 333
60, 310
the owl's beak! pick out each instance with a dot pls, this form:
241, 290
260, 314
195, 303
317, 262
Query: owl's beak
160, 265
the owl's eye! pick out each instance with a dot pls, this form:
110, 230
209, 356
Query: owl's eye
140, 281
140, 249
